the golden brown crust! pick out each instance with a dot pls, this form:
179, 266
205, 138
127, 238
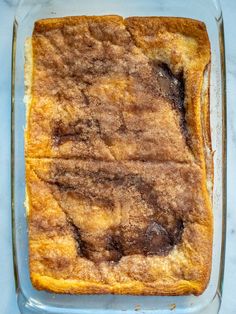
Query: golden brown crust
125, 102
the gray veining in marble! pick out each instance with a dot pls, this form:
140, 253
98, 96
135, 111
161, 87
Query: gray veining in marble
7, 295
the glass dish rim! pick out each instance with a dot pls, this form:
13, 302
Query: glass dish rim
224, 156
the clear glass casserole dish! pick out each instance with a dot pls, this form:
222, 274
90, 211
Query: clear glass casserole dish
33, 301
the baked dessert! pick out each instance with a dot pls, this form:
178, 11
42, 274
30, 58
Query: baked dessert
118, 155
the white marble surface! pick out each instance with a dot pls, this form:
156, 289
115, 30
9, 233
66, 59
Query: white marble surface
7, 289
229, 295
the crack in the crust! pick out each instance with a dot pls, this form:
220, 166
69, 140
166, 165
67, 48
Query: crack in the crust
132, 38
130, 161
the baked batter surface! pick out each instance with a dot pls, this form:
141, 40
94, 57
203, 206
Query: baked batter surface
118, 155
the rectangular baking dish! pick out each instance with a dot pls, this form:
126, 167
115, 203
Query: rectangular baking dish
33, 301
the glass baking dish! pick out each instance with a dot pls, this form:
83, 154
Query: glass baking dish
33, 301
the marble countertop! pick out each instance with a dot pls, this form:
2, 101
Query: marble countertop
7, 296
